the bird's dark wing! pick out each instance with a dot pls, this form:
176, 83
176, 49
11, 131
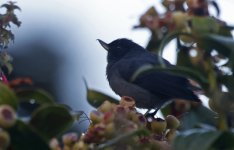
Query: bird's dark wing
161, 84
166, 86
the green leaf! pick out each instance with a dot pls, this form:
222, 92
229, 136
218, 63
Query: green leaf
96, 98
224, 142
7, 96
203, 25
51, 120
195, 139
197, 116
38, 95
167, 110
182, 71
23, 137
170, 37
224, 45
203, 139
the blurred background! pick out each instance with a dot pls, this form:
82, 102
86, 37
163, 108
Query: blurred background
56, 43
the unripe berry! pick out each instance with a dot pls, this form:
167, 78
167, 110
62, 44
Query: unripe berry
7, 116
96, 116
172, 122
139, 119
66, 147
100, 130
80, 146
54, 144
180, 19
105, 107
108, 117
4, 139
127, 101
109, 130
171, 135
158, 125
69, 138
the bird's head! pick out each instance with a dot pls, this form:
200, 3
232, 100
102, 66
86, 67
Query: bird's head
119, 48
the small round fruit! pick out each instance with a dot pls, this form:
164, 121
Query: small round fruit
180, 19
99, 129
108, 117
54, 144
105, 107
139, 119
158, 125
127, 101
109, 130
80, 146
96, 116
172, 122
171, 135
69, 138
4, 139
7, 116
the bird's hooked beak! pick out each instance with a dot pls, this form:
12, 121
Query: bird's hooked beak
104, 45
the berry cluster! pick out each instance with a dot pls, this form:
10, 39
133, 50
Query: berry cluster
112, 125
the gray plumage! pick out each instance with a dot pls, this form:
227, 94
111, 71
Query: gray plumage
150, 89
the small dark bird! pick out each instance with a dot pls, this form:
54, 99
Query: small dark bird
150, 89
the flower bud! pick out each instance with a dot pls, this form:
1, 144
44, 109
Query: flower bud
127, 101
105, 107
108, 117
171, 135
109, 130
69, 138
4, 139
80, 146
66, 147
158, 125
172, 122
100, 130
96, 116
7, 116
139, 119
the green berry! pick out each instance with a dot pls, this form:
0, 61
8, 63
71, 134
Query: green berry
171, 135
158, 125
127, 101
96, 116
80, 146
4, 139
108, 117
109, 130
69, 138
105, 107
172, 122
7, 116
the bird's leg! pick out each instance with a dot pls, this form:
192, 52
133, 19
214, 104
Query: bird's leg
148, 114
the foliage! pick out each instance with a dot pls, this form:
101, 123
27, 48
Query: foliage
31, 119
204, 54
39, 118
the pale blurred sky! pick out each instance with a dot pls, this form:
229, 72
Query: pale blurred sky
73, 27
